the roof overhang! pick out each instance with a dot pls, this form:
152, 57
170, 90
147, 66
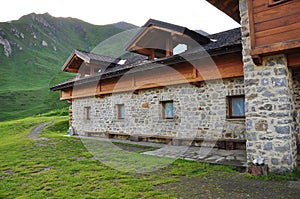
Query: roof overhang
229, 7
151, 65
154, 35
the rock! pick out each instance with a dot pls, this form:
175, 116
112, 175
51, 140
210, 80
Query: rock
6, 46
44, 43
259, 170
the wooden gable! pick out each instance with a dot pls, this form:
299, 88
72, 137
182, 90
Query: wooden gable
157, 39
87, 63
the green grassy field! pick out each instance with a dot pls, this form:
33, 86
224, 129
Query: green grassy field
58, 166
62, 166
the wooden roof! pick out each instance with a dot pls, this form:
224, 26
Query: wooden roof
154, 35
229, 7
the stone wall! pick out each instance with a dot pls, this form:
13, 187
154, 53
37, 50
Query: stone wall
296, 88
270, 118
198, 111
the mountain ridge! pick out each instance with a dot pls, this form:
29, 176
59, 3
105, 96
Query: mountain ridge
32, 51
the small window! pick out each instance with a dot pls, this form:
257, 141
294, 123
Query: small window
236, 107
87, 114
180, 48
167, 110
121, 111
276, 2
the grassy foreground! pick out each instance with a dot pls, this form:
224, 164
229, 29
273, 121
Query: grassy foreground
57, 166
61, 167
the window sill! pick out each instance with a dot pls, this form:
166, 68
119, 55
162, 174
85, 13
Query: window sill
235, 119
168, 119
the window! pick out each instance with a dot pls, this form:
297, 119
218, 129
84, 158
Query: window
180, 48
167, 110
276, 2
121, 111
236, 107
87, 114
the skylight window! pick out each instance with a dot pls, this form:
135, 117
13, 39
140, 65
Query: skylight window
122, 62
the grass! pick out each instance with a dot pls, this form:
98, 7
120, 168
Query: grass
65, 167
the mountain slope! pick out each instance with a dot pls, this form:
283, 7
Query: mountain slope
32, 51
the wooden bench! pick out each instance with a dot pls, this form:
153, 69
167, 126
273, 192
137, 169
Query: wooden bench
227, 144
151, 138
109, 135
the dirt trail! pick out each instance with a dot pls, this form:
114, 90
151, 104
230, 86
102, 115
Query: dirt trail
37, 130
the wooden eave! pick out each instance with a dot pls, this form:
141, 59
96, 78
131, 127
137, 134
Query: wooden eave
152, 65
155, 35
229, 7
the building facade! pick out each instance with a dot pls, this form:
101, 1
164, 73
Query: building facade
238, 89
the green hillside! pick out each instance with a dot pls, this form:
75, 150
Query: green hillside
32, 51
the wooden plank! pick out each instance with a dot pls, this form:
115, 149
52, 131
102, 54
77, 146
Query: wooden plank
284, 21
124, 82
273, 29
278, 38
282, 30
108, 85
264, 5
259, 3
275, 48
277, 12
65, 94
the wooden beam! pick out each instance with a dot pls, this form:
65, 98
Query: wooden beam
152, 55
197, 84
195, 72
92, 70
276, 48
257, 59
294, 59
169, 46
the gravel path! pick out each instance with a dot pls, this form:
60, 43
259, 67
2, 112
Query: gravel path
37, 130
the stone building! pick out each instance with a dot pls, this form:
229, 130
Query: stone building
193, 89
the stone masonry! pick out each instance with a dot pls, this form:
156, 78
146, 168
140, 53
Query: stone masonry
199, 111
270, 109
296, 88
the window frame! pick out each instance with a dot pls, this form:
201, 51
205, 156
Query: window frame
229, 101
119, 115
87, 113
163, 105
274, 2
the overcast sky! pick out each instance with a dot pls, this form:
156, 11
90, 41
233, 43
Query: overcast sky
193, 14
